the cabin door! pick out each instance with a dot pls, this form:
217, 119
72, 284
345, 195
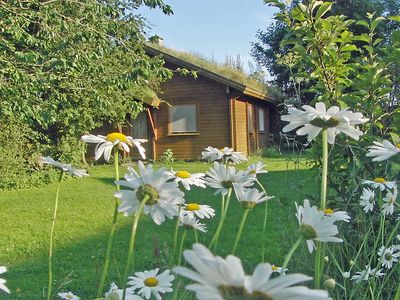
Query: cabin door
140, 130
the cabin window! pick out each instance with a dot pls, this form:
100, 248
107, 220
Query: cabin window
183, 119
261, 120
250, 119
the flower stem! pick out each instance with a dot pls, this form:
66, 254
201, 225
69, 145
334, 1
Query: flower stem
320, 253
112, 232
176, 234
214, 241
290, 254
264, 238
324, 181
132, 243
53, 224
181, 246
196, 237
239, 233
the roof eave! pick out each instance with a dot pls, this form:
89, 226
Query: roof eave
231, 83
256, 94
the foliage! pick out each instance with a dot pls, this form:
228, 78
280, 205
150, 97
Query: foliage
349, 63
272, 52
18, 157
68, 67
168, 156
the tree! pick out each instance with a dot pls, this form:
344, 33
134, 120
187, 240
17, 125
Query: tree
269, 51
67, 67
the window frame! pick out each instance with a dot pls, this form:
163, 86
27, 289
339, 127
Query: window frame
250, 119
263, 120
171, 133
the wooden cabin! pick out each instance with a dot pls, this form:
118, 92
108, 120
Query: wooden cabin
210, 110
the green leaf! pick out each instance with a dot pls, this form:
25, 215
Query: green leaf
394, 18
369, 49
395, 138
323, 9
363, 37
348, 48
375, 22
363, 23
377, 41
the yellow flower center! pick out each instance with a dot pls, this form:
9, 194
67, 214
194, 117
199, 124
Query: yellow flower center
151, 282
398, 145
328, 211
379, 180
183, 174
112, 137
252, 172
69, 296
192, 206
274, 268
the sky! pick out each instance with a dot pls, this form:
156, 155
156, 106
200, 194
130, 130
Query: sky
212, 28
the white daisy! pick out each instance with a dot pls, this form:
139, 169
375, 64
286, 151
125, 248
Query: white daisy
256, 168
390, 200
276, 269
149, 283
163, 196
313, 120
191, 222
225, 154
337, 215
105, 144
66, 168
187, 179
222, 177
200, 210
388, 256
346, 275
383, 151
249, 197
116, 294
314, 225
368, 200
365, 274
228, 155
381, 183
68, 296
3, 281
218, 278
211, 154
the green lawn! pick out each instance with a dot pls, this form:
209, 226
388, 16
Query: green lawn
85, 213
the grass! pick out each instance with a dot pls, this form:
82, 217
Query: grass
85, 214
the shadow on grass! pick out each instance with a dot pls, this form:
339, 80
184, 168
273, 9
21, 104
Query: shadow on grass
106, 180
77, 264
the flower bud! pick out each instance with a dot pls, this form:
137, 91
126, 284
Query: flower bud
330, 283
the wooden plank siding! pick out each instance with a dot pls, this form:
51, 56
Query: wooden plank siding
213, 124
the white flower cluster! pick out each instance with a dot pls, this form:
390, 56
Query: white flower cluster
368, 197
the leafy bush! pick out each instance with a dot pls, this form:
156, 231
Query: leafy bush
18, 157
